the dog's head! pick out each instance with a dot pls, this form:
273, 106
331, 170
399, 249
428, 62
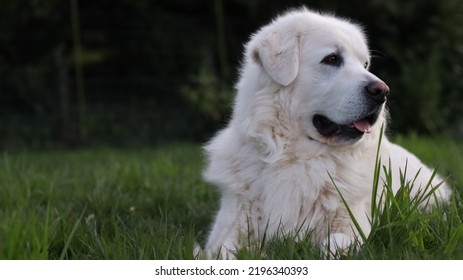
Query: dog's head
325, 61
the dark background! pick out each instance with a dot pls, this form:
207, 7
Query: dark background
143, 72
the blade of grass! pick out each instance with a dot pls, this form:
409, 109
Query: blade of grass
71, 235
376, 176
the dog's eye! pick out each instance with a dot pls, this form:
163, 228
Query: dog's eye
366, 65
332, 60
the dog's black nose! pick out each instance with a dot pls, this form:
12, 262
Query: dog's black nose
378, 90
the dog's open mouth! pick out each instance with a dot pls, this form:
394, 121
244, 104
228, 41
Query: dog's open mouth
328, 128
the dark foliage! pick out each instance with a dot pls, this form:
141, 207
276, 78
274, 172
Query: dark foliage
162, 70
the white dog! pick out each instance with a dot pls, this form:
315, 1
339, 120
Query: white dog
307, 113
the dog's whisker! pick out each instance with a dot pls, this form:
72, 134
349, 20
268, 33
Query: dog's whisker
378, 54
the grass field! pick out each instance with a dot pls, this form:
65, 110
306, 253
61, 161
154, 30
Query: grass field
150, 203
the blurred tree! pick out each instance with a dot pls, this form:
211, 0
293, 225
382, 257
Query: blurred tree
78, 68
33, 57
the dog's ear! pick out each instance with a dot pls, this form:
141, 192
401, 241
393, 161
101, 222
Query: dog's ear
278, 54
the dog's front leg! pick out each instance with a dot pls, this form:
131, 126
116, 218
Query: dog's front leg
343, 232
223, 241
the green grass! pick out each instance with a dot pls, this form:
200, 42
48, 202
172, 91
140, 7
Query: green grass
103, 204
150, 203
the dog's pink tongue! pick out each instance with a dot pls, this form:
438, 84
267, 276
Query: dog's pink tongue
363, 126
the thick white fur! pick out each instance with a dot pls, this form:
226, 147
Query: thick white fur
272, 166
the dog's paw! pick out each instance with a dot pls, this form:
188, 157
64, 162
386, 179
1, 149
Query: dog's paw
217, 254
336, 245
198, 252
